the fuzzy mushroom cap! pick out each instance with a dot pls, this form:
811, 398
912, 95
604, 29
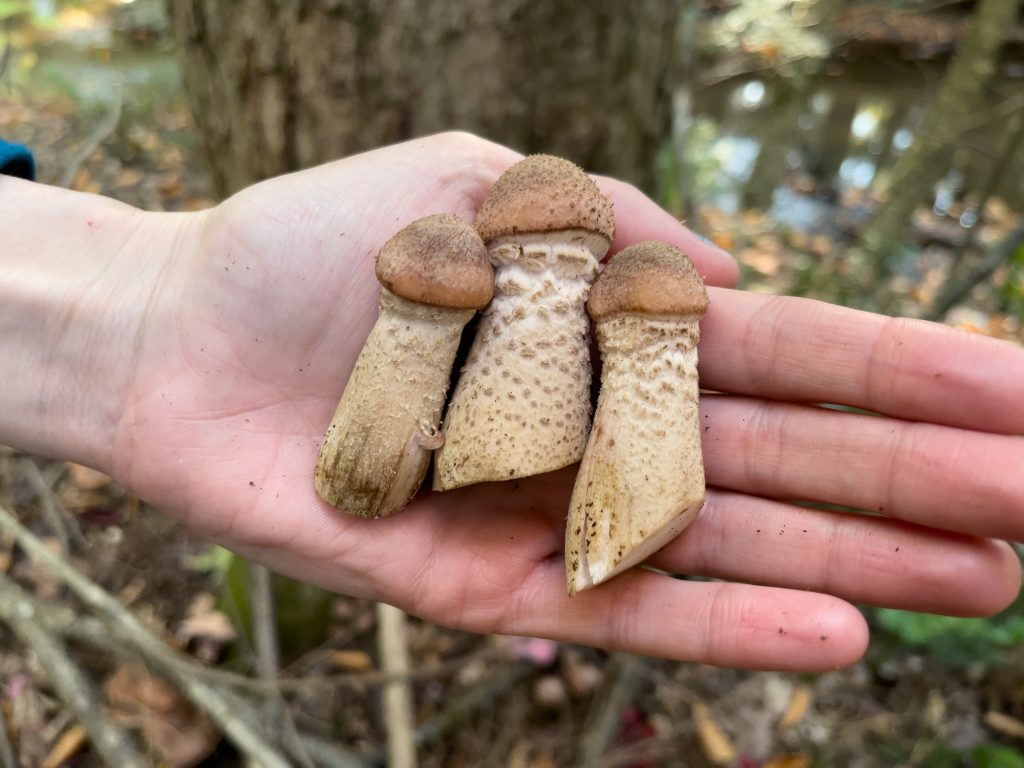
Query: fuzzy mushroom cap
542, 193
438, 260
651, 278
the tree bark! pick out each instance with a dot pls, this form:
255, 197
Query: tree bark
961, 93
279, 86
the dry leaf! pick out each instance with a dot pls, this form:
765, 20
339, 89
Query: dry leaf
796, 760
797, 707
717, 746
354, 661
205, 622
67, 746
170, 725
1008, 726
935, 710
87, 478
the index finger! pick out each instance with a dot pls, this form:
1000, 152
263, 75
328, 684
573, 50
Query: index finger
803, 350
638, 218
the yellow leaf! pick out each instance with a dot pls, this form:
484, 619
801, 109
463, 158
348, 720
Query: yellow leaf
717, 746
796, 760
87, 478
1009, 726
356, 661
797, 708
66, 747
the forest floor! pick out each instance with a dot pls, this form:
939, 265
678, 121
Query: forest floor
931, 692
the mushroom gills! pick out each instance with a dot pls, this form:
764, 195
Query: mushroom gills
378, 446
642, 477
522, 403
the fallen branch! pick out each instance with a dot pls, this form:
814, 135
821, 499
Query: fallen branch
264, 633
6, 748
58, 519
100, 133
393, 643
111, 743
232, 716
956, 291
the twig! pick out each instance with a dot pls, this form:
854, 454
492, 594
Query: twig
110, 742
475, 699
6, 749
952, 292
61, 619
100, 133
956, 292
327, 753
233, 718
264, 630
620, 685
393, 644
60, 521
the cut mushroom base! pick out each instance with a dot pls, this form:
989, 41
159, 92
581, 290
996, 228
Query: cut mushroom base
522, 404
378, 446
639, 485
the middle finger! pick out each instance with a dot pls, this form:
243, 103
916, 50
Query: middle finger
928, 474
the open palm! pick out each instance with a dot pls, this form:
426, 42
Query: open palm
248, 342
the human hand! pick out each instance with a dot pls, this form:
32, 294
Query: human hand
255, 322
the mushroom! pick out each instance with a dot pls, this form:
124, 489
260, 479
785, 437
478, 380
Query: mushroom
522, 403
642, 477
435, 275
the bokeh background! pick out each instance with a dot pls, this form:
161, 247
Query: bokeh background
867, 153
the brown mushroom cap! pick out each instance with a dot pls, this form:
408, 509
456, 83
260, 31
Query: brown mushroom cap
438, 260
542, 193
650, 278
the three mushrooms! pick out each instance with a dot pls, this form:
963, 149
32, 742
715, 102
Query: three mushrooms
522, 406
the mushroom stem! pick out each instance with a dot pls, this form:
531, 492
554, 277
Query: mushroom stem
639, 485
526, 382
641, 481
377, 448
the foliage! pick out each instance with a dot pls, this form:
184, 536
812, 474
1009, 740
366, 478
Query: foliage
775, 29
953, 641
987, 755
1013, 288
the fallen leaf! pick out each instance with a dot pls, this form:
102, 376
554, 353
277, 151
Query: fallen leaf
796, 760
1005, 724
717, 746
205, 622
797, 707
354, 661
87, 478
180, 735
67, 746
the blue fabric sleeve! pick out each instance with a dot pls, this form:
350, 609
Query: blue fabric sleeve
16, 160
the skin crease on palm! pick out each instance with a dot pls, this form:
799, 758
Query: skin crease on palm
259, 307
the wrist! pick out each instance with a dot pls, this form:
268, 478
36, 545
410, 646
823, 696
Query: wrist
78, 276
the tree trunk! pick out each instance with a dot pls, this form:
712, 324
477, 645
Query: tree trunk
961, 94
280, 86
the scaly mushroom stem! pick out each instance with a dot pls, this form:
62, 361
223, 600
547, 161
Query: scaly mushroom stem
638, 486
377, 448
641, 481
522, 405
